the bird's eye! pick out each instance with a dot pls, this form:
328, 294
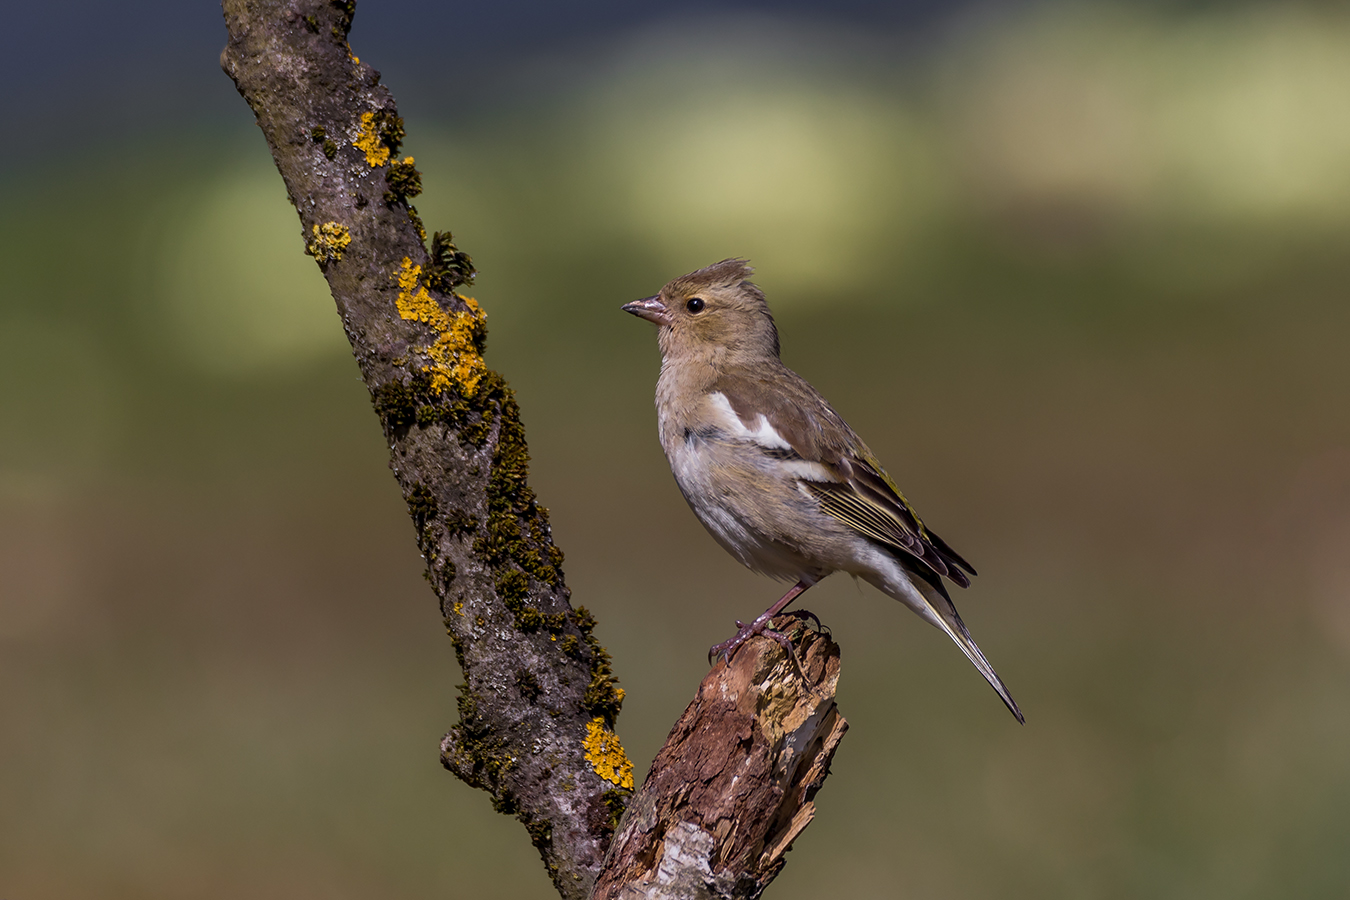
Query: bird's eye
695, 305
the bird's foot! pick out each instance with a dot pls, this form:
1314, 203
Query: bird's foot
727, 649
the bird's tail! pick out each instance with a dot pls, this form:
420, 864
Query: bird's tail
944, 615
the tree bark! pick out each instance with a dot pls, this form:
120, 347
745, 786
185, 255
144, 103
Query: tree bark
733, 785
539, 702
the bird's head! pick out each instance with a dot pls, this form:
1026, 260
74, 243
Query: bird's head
713, 312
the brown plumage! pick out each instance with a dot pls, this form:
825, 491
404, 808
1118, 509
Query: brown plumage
773, 472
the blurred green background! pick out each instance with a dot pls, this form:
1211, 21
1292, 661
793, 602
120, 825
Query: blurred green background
1078, 273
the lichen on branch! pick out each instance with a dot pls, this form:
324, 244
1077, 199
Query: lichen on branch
535, 677
605, 754
455, 358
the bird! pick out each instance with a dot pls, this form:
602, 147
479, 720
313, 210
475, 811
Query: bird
775, 475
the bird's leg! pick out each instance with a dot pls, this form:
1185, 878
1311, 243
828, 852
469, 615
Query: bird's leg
729, 647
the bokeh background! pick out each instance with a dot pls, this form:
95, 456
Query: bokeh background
1078, 272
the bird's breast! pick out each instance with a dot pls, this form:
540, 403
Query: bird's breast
740, 487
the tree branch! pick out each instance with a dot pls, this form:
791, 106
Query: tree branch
539, 702
732, 787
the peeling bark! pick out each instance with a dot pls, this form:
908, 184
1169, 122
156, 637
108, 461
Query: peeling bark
539, 702
732, 788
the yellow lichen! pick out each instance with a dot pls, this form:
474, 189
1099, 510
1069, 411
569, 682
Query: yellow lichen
329, 240
453, 358
368, 141
605, 754
414, 302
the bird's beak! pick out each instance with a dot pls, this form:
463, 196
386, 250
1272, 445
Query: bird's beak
649, 308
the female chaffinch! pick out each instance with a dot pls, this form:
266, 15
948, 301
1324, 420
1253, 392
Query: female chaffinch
774, 473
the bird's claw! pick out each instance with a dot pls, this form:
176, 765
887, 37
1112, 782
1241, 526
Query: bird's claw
727, 649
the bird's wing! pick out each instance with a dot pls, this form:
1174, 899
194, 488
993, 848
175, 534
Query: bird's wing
867, 501
799, 426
